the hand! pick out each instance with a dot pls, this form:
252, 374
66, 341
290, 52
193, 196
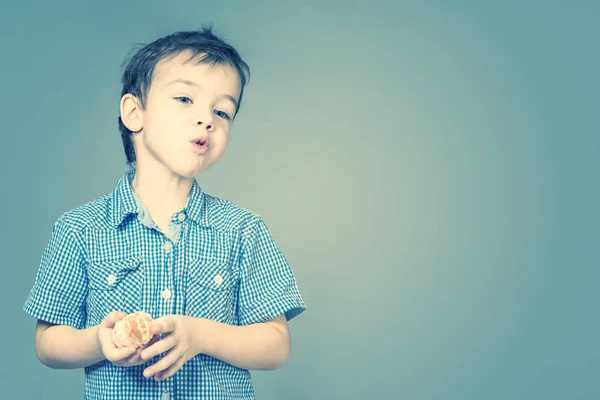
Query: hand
177, 342
120, 356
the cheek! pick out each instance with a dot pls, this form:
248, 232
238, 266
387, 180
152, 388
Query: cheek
221, 141
162, 121
161, 127
162, 114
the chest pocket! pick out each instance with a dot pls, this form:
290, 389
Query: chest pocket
114, 286
210, 291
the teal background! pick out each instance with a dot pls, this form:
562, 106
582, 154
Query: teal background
430, 170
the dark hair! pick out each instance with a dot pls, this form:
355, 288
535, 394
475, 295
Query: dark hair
204, 47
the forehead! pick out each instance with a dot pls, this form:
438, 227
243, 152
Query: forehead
219, 78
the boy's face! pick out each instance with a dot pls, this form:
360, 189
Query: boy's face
189, 111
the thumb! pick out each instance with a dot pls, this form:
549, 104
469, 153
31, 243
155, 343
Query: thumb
111, 319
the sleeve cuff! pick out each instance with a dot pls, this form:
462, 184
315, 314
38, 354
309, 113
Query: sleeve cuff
290, 306
53, 316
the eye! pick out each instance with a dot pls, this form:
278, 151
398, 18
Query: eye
222, 114
184, 100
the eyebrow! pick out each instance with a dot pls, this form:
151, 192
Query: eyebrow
191, 83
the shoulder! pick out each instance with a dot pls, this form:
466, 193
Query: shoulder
231, 218
93, 214
226, 215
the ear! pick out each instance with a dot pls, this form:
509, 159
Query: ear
132, 114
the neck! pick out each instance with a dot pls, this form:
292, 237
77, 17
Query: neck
162, 192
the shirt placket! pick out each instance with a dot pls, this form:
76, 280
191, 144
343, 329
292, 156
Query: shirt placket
168, 292
165, 388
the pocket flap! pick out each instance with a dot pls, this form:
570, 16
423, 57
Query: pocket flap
107, 274
211, 274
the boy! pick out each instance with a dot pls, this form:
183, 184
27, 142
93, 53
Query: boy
208, 271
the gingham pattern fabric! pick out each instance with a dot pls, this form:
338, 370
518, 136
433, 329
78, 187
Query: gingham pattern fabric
221, 263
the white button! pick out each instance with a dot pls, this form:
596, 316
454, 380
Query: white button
218, 280
167, 246
181, 217
111, 279
166, 294
165, 396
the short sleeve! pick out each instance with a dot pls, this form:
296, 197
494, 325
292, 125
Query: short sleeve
59, 293
268, 287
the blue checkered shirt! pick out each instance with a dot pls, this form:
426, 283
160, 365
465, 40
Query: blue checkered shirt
219, 262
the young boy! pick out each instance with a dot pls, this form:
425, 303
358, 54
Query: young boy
208, 271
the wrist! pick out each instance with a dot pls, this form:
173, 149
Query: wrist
95, 330
201, 336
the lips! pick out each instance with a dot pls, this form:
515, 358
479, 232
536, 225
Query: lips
201, 141
200, 144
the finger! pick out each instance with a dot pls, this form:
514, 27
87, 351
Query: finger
154, 339
136, 357
127, 362
163, 325
119, 353
112, 318
130, 361
169, 372
159, 347
163, 364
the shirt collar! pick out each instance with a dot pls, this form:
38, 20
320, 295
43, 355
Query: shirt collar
125, 201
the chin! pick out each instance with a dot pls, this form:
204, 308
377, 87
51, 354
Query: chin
190, 171
190, 174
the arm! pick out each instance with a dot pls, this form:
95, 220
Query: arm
257, 346
66, 347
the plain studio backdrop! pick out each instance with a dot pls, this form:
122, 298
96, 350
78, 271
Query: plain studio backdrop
430, 170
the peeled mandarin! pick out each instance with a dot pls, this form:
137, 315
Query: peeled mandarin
133, 330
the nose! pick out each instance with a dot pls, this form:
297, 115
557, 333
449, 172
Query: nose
208, 126
205, 121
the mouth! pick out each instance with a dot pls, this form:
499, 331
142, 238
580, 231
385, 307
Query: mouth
200, 145
202, 140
